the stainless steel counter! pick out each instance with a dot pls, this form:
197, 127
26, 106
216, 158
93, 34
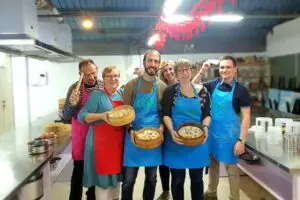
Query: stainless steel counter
288, 161
16, 165
279, 170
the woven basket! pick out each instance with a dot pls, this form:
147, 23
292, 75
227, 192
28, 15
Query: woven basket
60, 129
148, 144
122, 121
192, 141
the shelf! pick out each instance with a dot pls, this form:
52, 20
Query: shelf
270, 178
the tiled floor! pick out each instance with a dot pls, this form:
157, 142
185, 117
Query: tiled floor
249, 189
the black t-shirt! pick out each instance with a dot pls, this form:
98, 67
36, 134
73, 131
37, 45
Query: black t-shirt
169, 100
241, 96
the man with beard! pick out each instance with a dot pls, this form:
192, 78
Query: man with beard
74, 102
144, 93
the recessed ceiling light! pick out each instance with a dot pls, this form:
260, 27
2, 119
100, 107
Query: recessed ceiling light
87, 22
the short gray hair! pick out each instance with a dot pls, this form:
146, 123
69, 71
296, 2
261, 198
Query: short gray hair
182, 62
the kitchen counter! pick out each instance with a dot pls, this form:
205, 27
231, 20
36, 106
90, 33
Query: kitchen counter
279, 170
15, 162
288, 161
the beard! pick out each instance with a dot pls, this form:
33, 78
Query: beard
151, 71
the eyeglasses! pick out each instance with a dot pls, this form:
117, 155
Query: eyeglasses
184, 70
112, 76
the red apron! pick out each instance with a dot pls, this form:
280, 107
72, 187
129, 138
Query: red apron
79, 131
108, 145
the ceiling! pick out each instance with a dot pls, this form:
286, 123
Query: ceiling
123, 26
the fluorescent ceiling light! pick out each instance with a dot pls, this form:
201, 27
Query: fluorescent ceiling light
170, 6
176, 19
153, 39
223, 18
17, 42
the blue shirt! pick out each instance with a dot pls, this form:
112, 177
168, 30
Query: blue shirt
241, 96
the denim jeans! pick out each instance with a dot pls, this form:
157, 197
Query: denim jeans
177, 183
129, 177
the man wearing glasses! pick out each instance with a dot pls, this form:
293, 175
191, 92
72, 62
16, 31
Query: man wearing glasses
74, 102
230, 114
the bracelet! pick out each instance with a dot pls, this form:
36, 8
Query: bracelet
242, 141
204, 126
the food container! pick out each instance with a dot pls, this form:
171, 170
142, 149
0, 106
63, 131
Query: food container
59, 129
54, 162
38, 146
50, 140
121, 115
192, 134
148, 138
49, 137
33, 188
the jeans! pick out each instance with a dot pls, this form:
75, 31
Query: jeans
76, 183
129, 177
177, 184
164, 173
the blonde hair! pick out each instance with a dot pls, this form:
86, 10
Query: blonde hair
108, 70
165, 63
182, 62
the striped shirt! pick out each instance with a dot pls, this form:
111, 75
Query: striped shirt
71, 111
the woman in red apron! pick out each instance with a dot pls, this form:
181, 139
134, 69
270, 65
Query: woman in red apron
104, 143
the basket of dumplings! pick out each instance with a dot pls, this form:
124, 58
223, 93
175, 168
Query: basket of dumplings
59, 129
121, 115
192, 134
148, 138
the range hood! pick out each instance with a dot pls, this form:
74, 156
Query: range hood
24, 45
21, 33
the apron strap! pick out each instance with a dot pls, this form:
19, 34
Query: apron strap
179, 91
109, 97
139, 84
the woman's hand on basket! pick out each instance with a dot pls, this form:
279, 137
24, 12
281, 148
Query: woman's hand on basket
104, 117
205, 135
132, 133
176, 138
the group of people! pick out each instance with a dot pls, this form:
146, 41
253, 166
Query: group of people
106, 158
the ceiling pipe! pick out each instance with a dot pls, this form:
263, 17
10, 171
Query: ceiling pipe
103, 14
146, 14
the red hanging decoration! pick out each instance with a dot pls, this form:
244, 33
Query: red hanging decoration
160, 43
186, 30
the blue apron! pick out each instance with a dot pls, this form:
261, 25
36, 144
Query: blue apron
146, 110
179, 156
225, 126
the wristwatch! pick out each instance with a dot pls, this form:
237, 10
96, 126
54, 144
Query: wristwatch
242, 141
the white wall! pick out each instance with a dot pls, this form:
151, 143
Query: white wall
37, 101
20, 92
44, 99
285, 39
